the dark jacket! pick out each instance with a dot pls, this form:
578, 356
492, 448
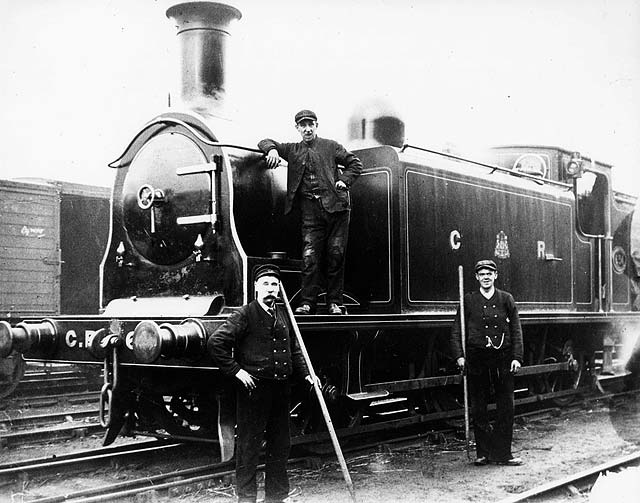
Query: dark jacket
494, 318
250, 340
324, 155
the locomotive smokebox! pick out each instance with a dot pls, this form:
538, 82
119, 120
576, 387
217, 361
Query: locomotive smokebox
203, 31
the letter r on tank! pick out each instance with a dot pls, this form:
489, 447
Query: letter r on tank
541, 250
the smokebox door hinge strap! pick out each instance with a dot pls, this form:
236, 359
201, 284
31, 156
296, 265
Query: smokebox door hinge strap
212, 169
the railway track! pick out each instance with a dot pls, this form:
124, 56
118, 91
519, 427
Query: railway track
88, 460
208, 475
43, 382
42, 401
581, 482
21, 429
40, 379
48, 427
173, 480
10, 422
148, 452
157, 483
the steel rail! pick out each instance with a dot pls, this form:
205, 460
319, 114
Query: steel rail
34, 402
63, 432
629, 460
38, 467
203, 473
207, 472
54, 384
10, 423
153, 483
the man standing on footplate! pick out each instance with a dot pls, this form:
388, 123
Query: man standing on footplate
493, 356
319, 175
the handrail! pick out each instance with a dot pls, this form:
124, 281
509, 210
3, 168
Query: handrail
493, 167
177, 122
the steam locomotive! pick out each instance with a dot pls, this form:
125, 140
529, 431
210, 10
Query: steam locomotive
194, 210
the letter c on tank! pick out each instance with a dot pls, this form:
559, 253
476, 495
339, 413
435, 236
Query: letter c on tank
455, 240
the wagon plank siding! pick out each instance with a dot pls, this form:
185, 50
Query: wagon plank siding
29, 249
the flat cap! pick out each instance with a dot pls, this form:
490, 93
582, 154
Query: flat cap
266, 270
305, 114
486, 264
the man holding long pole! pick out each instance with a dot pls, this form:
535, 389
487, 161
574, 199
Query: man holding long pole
255, 346
493, 356
463, 341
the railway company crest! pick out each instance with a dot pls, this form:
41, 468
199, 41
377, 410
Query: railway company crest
502, 246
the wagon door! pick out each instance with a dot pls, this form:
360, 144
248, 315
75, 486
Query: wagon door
29, 249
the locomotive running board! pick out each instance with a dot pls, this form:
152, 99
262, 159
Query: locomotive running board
438, 381
368, 395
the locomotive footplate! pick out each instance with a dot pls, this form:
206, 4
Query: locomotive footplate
376, 369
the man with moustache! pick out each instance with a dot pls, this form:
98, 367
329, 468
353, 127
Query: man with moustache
493, 356
317, 185
256, 346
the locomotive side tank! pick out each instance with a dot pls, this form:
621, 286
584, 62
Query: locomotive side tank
194, 210
419, 214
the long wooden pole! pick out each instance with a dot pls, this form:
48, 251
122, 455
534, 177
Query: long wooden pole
323, 404
467, 433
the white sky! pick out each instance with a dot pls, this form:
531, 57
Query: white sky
78, 78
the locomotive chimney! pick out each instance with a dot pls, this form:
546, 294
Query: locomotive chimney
203, 31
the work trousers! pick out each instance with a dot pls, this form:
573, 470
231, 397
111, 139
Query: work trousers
324, 240
489, 368
263, 414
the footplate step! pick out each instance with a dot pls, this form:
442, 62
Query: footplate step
368, 395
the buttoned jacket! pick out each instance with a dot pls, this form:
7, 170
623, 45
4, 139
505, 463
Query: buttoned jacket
324, 156
251, 339
495, 320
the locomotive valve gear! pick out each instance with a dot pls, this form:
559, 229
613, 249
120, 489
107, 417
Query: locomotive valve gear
493, 355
